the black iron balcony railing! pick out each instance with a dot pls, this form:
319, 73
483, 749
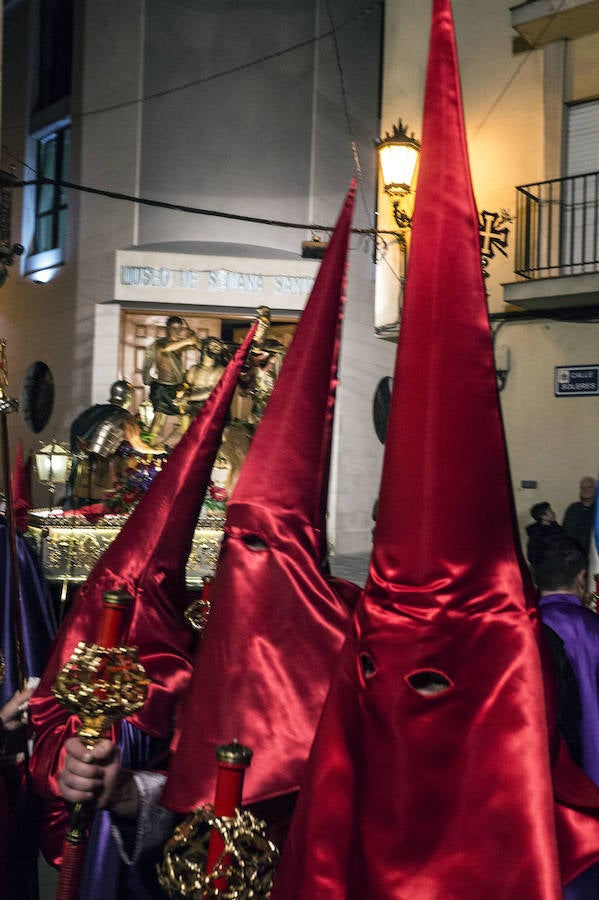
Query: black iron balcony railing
557, 227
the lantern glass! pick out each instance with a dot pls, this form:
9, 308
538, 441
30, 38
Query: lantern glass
398, 162
53, 463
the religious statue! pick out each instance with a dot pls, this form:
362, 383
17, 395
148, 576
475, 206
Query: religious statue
227, 465
96, 436
263, 367
164, 371
255, 385
200, 380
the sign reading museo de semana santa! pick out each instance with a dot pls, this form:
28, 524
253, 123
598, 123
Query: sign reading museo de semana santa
576, 381
213, 280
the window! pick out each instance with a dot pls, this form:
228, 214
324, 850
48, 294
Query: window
582, 138
55, 51
580, 196
51, 199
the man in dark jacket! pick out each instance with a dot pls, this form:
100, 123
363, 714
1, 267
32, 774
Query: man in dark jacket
543, 527
580, 516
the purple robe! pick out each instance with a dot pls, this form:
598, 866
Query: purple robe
578, 627
18, 855
105, 876
37, 615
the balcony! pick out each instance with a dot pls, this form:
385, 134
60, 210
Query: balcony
557, 244
539, 22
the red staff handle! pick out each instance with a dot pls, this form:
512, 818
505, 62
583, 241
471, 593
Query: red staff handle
75, 841
115, 604
73, 857
233, 759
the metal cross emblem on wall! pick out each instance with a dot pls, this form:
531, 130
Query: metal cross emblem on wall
492, 236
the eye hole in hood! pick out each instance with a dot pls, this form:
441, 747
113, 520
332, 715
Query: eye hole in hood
429, 682
368, 666
255, 543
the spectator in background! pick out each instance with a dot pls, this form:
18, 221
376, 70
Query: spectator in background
580, 516
544, 526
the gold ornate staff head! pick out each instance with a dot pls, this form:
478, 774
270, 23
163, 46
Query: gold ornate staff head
197, 612
248, 860
102, 684
221, 851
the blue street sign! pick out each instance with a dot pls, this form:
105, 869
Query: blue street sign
577, 381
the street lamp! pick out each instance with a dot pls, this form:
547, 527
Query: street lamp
398, 154
53, 465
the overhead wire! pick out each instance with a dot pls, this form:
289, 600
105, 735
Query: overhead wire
178, 207
343, 91
516, 71
241, 67
332, 32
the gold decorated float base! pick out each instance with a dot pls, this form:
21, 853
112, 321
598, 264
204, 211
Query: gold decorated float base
70, 546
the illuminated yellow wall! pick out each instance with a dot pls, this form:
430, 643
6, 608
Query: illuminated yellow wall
513, 104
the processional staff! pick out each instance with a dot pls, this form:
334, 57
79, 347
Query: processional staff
221, 851
101, 683
7, 406
233, 759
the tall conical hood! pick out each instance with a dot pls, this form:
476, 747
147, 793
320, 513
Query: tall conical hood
148, 558
445, 517
430, 773
277, 623
296, 430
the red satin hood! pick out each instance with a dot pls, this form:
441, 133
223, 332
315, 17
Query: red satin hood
276, 626
148, 559
265, 663
435, 796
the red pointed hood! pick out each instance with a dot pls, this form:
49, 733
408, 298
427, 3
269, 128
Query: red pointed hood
276, 624
446, 530
296, 430
148, 559
430, 771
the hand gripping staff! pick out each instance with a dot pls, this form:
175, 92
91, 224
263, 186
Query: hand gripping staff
101, 683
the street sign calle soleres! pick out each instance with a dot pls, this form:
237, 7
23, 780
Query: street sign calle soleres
576, 381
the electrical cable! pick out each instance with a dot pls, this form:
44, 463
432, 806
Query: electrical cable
179, 207
516, 72
348, 124
242, 67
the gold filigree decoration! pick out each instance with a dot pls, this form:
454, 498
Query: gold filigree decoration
248, 860
197, 613
101, 685
70, 548
2, 667
89, 551
54, 558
